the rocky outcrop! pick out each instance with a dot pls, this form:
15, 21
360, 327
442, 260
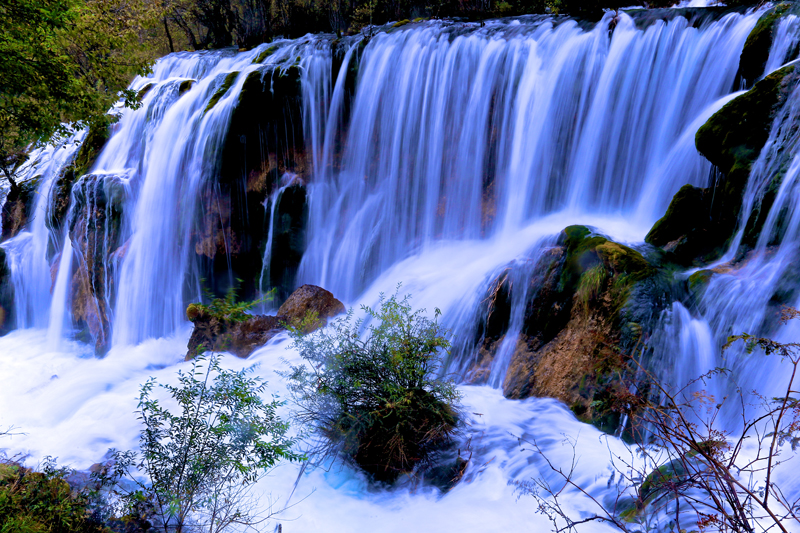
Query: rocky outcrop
264, 144
577, 326
95, 229
92, 145
755, 52
18, 207
699, 223
309, 308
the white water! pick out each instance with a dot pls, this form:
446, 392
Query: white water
585, 129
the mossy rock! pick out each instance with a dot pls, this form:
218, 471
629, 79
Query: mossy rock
227, 83
681, 217
144, 90
401, 23
756, 48
733, 137
185, 86
731, 140
699, 280
265, 54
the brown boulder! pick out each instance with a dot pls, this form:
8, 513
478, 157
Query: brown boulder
310, 299
242, 337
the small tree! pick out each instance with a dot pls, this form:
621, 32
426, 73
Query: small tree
200, 460
375, 399
687, 469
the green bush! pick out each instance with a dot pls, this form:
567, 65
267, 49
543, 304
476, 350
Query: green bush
200, 461
375, 399
43, 502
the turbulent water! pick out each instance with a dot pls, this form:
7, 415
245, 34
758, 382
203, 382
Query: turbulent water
466, 147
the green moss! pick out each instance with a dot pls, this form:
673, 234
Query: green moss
226, 85
733, 137
621, 259
144, 90
756, 48
400, 23
265, 54
680, 218
699, 279
185, 86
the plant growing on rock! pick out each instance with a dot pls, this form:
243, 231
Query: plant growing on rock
688, 471
200, 460
374, 399
44, 502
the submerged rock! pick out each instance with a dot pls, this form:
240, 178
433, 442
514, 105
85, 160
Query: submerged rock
242, 337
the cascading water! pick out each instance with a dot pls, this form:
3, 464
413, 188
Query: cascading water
463, 151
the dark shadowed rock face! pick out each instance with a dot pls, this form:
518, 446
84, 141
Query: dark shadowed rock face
243, 337
6, 296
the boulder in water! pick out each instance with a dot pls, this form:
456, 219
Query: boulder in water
18, 207
310, 300
242, 337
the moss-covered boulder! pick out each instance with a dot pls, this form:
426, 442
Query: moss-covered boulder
571, 345
6, 295
732, 140
241, 337
756, 48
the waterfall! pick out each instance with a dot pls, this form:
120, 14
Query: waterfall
445, 155
469, 133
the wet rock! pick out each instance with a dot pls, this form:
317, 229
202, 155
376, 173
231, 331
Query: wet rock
212, 334
92, 145
732, 140
95, 227
6, 296
573, 337
310, 299
756, 48
227, 82
288, 238
263, 144
18, 207
215, 333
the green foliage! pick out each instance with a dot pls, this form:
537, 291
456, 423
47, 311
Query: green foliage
63, 63
43, 502
227, 309
375, 400
199, 459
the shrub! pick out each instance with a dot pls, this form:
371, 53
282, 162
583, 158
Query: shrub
43, 502
200, 461
375, 400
